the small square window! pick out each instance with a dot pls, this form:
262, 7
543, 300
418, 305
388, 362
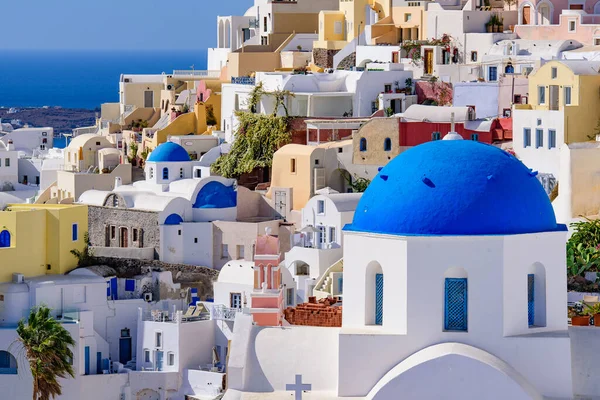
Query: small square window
195, 240
554, 72
130, 285
340, 150
7, 162
572, 26
596, 41
539, 122
97, 143
407, 17
316, 162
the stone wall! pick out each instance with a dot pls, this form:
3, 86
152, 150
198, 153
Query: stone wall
315, 313
103, 219
348, 63
324, 58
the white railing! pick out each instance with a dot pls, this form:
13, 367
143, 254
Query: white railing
224, 313
201, 73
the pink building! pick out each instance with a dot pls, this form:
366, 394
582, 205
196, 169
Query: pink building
267, 298
559, 20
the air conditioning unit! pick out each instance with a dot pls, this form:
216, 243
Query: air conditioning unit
169, 87
147, 297
17, 278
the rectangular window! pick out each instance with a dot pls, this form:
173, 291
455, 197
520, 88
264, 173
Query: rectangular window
147, 356
320, 207
551, 138
387, 88
130, 285
316, 162
224, 251
195, 240
407, 17
112, 232
240, 252
158, 339
456, 305
171, 359
572, 26
337, 27
567, 94
596, 41
474, 56
7, 162
539, 138
541, 95
74, 232
526, 137
530, 299
554, 72
332, 234
289, 297
236, 300
134, 235
436, 136
492, 74
293, 165
475, 137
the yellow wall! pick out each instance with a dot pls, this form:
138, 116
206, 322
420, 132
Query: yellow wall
417, 20
581, 117
327, 20
41, 235
296, 22
134, 93
244, 63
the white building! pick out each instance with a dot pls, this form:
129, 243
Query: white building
437, 285
15, 186
30, 140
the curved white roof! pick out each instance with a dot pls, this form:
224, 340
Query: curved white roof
109, 150
546, 49
345, 201
420, 113
238, 271
81, 140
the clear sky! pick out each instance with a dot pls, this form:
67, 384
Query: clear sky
113, 24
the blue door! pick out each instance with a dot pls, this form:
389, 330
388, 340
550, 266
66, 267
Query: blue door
5, 238
99, 363
379, 299
113, 289
87, 360
530, 299
159, 360
124, 350
455, 310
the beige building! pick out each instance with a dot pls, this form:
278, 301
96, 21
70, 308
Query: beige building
82, 152
381, 135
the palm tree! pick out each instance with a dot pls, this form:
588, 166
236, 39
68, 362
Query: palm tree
46, 344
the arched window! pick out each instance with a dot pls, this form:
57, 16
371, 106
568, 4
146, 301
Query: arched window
387, 144
165, 173
5, 238
509, 69
363, 144
374, 294
536, 296
8, 363
456, 316
151, 172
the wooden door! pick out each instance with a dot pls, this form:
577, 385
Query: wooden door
395, 57
428, 61
124, 237
526, 15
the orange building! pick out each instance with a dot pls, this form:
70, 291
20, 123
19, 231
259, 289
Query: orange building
267, 298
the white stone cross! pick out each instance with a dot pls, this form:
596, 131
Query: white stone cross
298, 387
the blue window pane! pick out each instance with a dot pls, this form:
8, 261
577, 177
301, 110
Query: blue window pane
363, 144
387, 144
526, 137
493, 74
341, 284
551, 138
165, 173
5, 238
530, 299
129, 285
455, 307
475, 137
75, 234
379, 299
539, 138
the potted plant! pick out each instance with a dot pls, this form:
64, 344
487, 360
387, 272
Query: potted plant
593, 311
397, 85
578, 317
299, 48
488, 27
408, 85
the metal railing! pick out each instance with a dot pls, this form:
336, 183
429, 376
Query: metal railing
253, 23
201, 73
224, 313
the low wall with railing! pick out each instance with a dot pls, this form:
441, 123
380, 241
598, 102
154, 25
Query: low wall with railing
144, 253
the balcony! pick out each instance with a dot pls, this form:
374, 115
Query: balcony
220, 312
197, 73
253, 24
243, 80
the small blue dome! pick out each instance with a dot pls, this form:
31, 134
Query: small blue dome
168, 152
457, 187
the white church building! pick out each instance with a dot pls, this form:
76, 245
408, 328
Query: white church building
454, 287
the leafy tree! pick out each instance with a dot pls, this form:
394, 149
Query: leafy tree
357, 183
257, 138
46, 344
583, 252
133, 149
85, 258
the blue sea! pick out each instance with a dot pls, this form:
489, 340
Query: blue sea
81, 79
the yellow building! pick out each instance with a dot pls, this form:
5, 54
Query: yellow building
37, 239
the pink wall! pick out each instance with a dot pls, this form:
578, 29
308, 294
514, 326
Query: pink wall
583, 33
265, 302
267, 319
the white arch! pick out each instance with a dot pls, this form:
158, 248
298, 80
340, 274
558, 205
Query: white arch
532, 13
457, 368
221, 42
549, 18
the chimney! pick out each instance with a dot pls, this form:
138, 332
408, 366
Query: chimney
10, 146
118, 182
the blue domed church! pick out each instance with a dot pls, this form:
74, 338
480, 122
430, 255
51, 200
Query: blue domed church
454, 288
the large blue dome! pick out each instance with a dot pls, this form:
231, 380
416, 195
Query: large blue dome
168, 152
457, 187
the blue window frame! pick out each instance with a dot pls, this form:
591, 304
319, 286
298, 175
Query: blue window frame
530, 299
87, 360
455, 304
165, 173
5, 238
379, 299
526, 137
475, 137
75, 232
363, 144
551, 138
539, 138
436, 136
387, 144
129, 285
492, 74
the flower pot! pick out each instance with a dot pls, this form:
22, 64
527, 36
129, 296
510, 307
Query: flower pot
596, 319
495, 28
580, 321
488, 28
500, 28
